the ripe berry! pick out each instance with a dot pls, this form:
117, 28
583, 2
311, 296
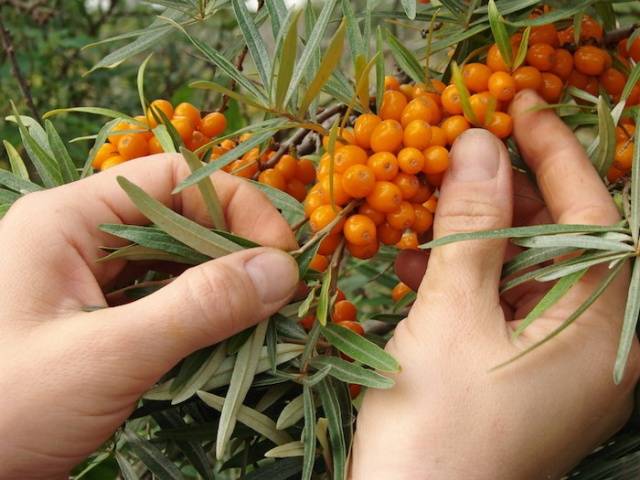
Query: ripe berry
323, 216
359, 230
476, 77
541, 56
410, 160
634, 50
273, 178
112, 162
315, 198
385, 197
153, 111
307, 322
354, 388
363, 251
578, 80
423, 194
377, 217
338, 194
105, 151
590, 60
436, 160
391, 83
183, 126
551, 87
408, 241
387, 136
305, 171
590, 29
363, 128
295, 188
399, 291
501, 125
438, 137
563, 64
481, 104
624, 132
197, 140
408, 185
114, 137
527, 77
389, 235
624, 156
421, 108
454, 126
348, 156
495, 61
451, 100
353, 326
319, 263
393, 103
423, 219
344, 311
384, 165
154, 146
402, 218
545, 34
287, 167
187, 110
431, 204
417, 134
613, 81
502, 86
329, 244
358, 181
132, 146
248, 167
213, 124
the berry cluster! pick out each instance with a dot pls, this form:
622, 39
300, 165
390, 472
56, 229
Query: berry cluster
624, 150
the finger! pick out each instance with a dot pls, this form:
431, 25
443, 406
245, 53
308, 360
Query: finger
528, 206
570, 185
203, 306
410, 266
476, 195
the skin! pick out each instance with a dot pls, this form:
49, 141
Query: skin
84, 372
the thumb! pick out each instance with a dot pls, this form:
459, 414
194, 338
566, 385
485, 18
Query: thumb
476, 195
204, 305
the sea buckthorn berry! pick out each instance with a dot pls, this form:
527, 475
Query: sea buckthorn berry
590, 29
359, 230
377, 217
624, 156
248, 167
407, 89
323, 216
590, 60
502, 86
384, 165
112, 161
438, 136
438, 85
364, 126
454, 126
624, 132
385, 197
393, 103
197, 140
305, 171
544, 34
563, 64
319, 263
431, 204
287, 167
329, 244
213, 124
423, 219
408, 241
410, 160
501, 125
354, 388
417, 134
363, 251
565, 37
451, 100
158, 105
295, 188
273, 178
541, 56
324, 167
399, 291
423, 194
348, 156
527, 77
613, 175
476, 76
634, 50
307, 322
389, 235
578, 80
634, 96
344, 311
495, 61
114, 137
144, 127
353, 326
408, 185
183, 126
154, 146
358, 181
246, 136
402, 218
551, 87
436, 160
613, 81
481, 105
421, 108
339, 195
228, 144
391, 83
435, 179
592, 86
132, 146
105, 151
185, 109
387, 136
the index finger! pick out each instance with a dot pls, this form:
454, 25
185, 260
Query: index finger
570, 185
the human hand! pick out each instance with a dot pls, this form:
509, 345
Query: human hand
70, 378
448, 417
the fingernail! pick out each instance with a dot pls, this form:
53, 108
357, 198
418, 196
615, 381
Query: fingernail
475, 157
274, 274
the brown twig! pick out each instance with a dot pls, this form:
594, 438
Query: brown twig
7, 44
612, 37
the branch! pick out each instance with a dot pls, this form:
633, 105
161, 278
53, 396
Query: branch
7, 44
612, 37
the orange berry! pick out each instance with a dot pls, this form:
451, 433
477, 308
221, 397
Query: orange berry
391, 83
590, 60
105, 151
112, 161
613, 175
324, 167
435, 179
154, 146
273, 178
423, 219
592, 86
502, 86
408, 185
133, 145
480, 105
152, 112
213, 124
351, 325
363, 251
476, 76
613, 81
410, 160
417, 134
385, 197
227, 144
329, 244
319, 263
389, 235
183, 126
495, 61
423, 194
147, 133
590, 29
376, 216
438, 136
308, 321
634, 96
403, 217
624, 132
527, 77
541, 56
315, 198
578, 80
363, 128
344, 311
323, 216
305, 171
634, 50
436, 160
359, 230
400, 291
354, 388
545, 34
384, 165
339, 195
295, 188
551, 87
185, 109
421, 108
454, 126
624, 156
408, 241
501, 125
358, 181
393, 103
114, 137
387, 136
451, 100
431, 204
348, 156
287, 167
563, 63
248, 167
197, 140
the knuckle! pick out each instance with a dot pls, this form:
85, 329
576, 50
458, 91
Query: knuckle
590, 214
465, 215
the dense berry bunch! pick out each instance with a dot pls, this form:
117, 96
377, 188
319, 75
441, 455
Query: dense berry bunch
624, 150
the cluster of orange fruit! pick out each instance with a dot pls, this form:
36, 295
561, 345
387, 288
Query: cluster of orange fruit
623, 158
128, 140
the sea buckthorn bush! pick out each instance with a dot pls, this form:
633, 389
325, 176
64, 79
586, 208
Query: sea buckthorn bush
352, 146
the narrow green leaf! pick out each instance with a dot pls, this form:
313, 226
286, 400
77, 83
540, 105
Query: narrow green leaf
354, 36
61, 154
500, 33
104, 112
289, 206
240, 97
534, 256
273, 395
564, 270
140, 253
92, 464
253, 40
606, 142
277, 14
152, 457
634, 220
628, 333
576, 241
409, 8
522, 48
16, 183
404, 57
322, 310
291, 449
287, 61
351, 373
126, 469
15, 160
308, 433
284, 469
101, 138
291, 414
207, 370
359, 348
379, 68
331, 407
241, 379
140, 82
164, 138
554, 15
188, 232
463, 92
